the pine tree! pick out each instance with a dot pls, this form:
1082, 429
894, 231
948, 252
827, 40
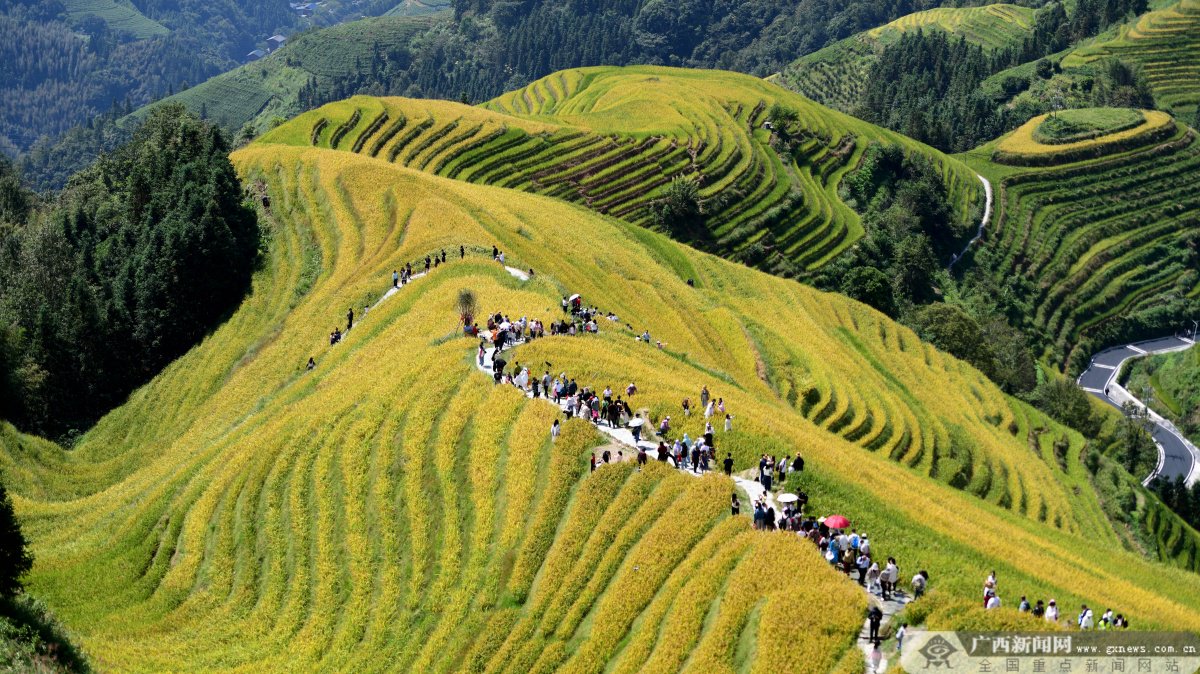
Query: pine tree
15, 559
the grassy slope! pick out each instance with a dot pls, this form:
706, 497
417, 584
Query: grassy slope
1091, 260
615, 137
835, 75
390, 507
270, 87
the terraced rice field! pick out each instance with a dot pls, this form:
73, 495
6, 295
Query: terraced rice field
392, 509
121, 17
836, 75
613, 139
1099, 232
1166, 43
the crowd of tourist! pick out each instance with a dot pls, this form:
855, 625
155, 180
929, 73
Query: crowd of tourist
1085, 620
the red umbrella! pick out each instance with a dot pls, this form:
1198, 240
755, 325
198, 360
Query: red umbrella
836, 522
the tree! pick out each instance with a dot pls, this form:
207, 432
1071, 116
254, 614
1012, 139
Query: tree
952, 330
15, 560
1135, 444
915, 266
119, 276
1066, 402
679, 209
467, 306
870, 286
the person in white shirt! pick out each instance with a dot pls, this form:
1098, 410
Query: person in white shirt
1085, 618
1052, 612
993, 602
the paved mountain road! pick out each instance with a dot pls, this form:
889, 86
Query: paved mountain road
1177, 455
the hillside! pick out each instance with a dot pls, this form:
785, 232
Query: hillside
1164, 42
489, 47
836, 75
615, 139
1095, 238
1170, 384
318, 64
393, 507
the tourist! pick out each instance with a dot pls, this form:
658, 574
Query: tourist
555, 430
395, 279
311, 363
919, 582
873, 579
728, 464
349, 318
874, 618
1023, 607
993, 602
863, 562
1052, 612
1039, 609
891, 574
876, 657
1085, 618
729, 427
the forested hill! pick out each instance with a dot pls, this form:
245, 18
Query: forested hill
62, 62
479, 51
947, 77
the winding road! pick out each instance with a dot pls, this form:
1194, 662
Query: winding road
1176, 454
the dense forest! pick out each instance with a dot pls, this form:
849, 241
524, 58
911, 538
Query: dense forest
491, 47
927, 84
57, 72
114, 278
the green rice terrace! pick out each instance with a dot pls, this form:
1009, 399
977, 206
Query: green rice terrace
1072, 126
391, 508
1166, 43
1101, 231
835, 76
614, 139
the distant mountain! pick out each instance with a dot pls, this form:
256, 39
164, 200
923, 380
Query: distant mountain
62, 62
485, 48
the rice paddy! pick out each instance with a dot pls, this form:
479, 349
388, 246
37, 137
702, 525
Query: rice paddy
392, 509
613, 139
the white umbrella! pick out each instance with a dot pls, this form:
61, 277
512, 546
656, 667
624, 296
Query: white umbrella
574, 297
636, 421
787, 498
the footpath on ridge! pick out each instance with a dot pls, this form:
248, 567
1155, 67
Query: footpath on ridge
753, 489
983, 222
1176, 454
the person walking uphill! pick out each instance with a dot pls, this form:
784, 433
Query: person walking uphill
349, 318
